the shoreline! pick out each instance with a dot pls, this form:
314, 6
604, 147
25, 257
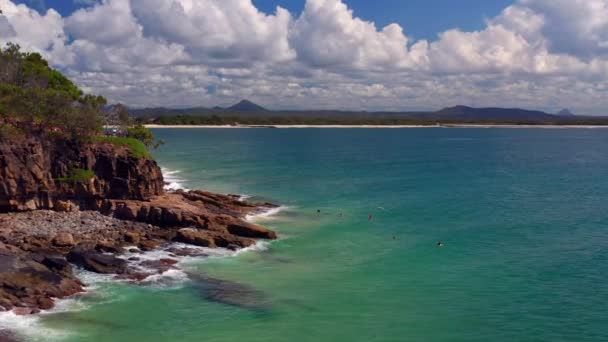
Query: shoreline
154, 126
164, 265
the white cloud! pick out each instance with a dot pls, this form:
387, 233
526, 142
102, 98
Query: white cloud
537, 53
42, 33
218, 30
327, 35
110, 23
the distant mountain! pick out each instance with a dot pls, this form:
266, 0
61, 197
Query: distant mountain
565, 112
248, 109
246, 106
469, 113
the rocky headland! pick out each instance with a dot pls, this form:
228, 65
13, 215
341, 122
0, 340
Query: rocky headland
65, 204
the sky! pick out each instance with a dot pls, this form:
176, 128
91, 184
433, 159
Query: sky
325, 54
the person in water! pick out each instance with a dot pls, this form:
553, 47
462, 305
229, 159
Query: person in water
439, 244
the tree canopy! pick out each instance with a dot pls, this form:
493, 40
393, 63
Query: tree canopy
35, 98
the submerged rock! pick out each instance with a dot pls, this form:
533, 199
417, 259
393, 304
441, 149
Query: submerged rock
230, 293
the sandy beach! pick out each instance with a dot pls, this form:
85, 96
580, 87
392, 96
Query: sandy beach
382, 126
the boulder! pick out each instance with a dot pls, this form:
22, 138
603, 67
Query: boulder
149, 245
195, 237
132, 237
63, 240
250, 230
65, 206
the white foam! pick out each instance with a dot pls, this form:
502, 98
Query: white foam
30, 327
174, 182
243, 198
265, 214
168, 279
259, 246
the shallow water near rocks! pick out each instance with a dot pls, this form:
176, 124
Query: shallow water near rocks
521, 213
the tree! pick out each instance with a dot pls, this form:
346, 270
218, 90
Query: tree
145, 135
36, 98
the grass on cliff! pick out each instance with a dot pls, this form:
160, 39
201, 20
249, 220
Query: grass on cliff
78, 176
137, 147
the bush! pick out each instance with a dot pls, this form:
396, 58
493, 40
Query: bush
78, 176
136, 147
145, 135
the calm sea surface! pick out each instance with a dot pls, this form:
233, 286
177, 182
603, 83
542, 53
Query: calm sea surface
521, 212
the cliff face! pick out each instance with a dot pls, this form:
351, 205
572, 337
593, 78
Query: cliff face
35, 174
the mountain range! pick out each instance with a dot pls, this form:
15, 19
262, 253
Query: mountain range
246, 108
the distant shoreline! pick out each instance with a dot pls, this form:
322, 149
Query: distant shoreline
382, 126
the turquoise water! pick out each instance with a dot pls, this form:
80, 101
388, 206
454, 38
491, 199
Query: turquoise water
521, 213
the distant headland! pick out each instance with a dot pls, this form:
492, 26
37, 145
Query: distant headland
249, 114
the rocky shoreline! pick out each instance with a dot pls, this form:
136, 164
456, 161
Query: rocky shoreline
51, 224
40, 249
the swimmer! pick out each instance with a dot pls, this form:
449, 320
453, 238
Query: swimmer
439, 244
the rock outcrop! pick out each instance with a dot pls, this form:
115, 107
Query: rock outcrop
31, 282
196, 209
35, 174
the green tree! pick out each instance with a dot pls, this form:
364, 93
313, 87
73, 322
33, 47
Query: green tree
38, 99
145, 135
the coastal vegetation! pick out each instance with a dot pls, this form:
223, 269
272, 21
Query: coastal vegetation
378, 120
136, 146
77, 175
248, 113
37, 100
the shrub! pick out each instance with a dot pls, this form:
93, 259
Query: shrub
145, 135
78, 176
137, 148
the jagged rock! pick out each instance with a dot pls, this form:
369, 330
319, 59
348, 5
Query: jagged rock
223, 215
97, 262
30, 285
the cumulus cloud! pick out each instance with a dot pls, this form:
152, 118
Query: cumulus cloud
327, 35
543, 54
222, 31
43, 33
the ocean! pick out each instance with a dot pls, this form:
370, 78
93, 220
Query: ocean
521, 214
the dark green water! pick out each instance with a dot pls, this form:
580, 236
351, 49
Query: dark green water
522, 214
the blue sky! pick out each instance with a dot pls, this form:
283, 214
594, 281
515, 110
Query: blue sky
421, 19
